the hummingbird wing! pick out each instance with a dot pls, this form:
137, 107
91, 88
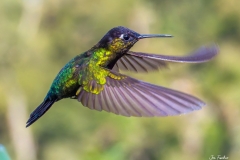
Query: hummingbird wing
131, 97
144, 62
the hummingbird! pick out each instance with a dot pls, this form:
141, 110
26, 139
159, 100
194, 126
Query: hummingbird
94, 79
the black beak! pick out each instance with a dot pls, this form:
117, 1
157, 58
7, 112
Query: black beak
153, 36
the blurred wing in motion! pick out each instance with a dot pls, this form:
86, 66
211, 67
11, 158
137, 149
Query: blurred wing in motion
144, 62
131, 97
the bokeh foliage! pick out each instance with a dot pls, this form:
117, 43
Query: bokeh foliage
37, 37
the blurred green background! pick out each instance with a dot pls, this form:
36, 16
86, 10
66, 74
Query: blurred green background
37, 38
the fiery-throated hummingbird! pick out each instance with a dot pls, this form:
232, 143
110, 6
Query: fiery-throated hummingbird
93, 79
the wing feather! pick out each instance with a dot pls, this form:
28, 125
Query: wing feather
144, 62
131, 97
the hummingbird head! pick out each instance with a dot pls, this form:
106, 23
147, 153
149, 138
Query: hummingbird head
121, 39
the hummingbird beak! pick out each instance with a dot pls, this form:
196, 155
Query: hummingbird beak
153, 36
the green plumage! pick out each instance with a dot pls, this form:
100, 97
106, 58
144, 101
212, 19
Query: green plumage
66, 81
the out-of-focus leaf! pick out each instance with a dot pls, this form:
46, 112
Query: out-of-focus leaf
3, 153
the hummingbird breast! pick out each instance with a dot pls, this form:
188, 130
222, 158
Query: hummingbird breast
83, 71
102, 57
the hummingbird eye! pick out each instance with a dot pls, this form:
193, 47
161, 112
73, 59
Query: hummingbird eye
125, 37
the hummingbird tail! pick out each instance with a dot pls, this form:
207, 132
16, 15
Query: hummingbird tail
39, 111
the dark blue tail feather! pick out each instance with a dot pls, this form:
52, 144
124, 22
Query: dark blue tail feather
39, 111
